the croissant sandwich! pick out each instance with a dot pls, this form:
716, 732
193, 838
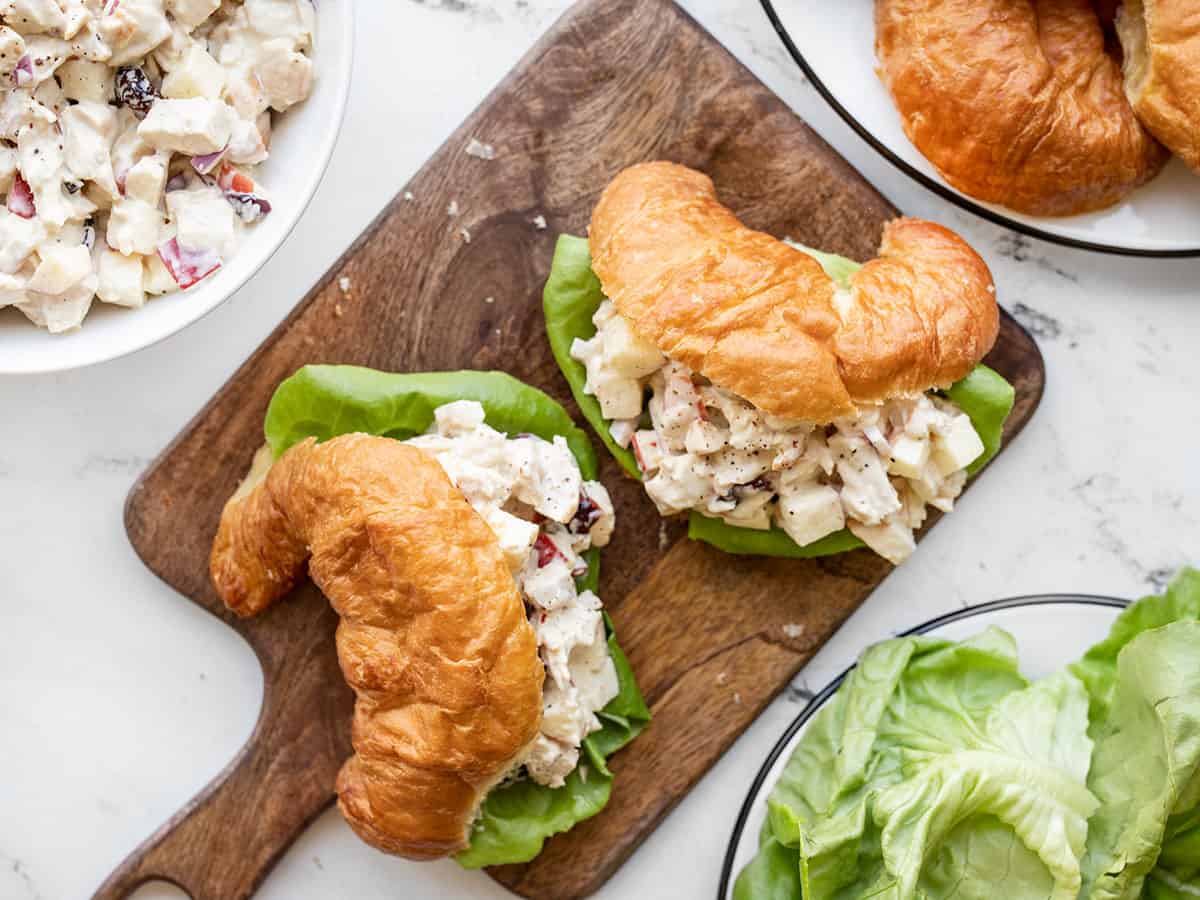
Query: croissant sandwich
459, 551
792, 402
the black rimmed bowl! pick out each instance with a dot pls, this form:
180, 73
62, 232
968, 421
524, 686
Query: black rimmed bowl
834, 43
1051, 630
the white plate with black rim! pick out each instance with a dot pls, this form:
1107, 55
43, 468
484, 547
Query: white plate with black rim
1051, 630
834, 43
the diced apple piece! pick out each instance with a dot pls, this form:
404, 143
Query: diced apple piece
194, 126
630, 354
908, 456
187, 266
147, 178
192, 12
156, 278
620, 398
121, 279
956, 447
810, 512
20, 198
197, 75
515, 535
647, 450
622, 431
891, 539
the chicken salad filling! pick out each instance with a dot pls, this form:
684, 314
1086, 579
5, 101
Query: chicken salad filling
545, 517
129, 134
702, 448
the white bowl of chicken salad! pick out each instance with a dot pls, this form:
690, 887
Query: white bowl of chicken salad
153, 155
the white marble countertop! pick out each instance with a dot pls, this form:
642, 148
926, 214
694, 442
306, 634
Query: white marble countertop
118, 700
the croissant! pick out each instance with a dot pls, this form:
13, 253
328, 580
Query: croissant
433, 637
1016, 102
763, 319
1161, 40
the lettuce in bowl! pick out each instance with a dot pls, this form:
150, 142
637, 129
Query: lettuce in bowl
573, 294
325, 401
937, 772
1144, 681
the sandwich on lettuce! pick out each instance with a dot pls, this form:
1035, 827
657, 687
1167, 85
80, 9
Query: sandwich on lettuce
790, 402
454, 522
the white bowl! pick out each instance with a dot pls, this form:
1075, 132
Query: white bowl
301, 146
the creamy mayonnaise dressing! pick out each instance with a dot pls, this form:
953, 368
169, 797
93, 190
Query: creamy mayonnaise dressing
129, 131
703, 448
545, 516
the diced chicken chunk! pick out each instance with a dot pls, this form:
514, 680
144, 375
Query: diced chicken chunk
60, 269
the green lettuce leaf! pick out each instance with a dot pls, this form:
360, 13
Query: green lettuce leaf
1146, 772
1098, 668
325, 401
773, 874
936, 772
570, 299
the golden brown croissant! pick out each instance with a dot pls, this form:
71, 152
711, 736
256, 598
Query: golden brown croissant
1161, 40
762, 319
433, 636
1016, 102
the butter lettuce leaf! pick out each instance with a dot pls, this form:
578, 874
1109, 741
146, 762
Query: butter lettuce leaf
935, 773
1146, 772
573, 294
325, 401
1098, 667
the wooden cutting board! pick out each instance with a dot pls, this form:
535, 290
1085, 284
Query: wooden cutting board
614, 82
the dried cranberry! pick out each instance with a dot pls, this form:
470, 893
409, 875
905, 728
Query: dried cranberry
586, 515
249, 207
135, 90
546, 550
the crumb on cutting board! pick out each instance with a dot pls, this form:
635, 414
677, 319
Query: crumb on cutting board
480, 150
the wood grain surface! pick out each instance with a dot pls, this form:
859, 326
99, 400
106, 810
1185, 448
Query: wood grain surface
614, 82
